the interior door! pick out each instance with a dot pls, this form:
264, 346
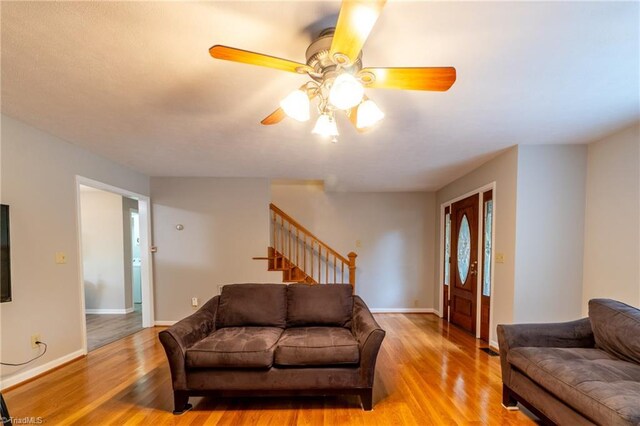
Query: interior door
464, 262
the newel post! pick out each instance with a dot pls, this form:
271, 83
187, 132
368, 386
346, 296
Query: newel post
352, 270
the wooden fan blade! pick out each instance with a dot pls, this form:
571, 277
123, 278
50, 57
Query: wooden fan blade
435, 79
274, 118
355, 22
244, 56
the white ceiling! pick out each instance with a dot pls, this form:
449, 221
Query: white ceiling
133, 81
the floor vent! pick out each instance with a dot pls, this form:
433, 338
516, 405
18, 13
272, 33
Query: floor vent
490, 351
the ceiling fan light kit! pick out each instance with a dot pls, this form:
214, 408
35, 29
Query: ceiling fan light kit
338, 80
368, 114
346, 92
326, 126
296, 105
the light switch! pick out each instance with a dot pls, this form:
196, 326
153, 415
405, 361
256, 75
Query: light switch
499, 257
61, 258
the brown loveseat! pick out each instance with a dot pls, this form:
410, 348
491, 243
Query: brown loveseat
576, 373
274, 339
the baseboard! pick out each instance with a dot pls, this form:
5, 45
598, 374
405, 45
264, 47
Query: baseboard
109, 311
494, 346
39, 370
403, 311
164, 323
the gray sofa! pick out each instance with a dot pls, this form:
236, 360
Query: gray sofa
582, 372
274, 339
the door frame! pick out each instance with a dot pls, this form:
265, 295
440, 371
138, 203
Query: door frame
481, 190
131, 211
146, 268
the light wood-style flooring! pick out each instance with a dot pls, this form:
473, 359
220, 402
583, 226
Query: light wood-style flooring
103, 329
428, 372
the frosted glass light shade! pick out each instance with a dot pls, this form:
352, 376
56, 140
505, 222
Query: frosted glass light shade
296, 105
346, 92
368, 114
325, 126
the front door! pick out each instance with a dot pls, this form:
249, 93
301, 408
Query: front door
464, 262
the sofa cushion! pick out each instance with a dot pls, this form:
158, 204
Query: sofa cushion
317, 346
602, 387
616, 328
252, 305
328, 305
236, 347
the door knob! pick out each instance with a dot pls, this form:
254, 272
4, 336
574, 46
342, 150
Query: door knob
474, 266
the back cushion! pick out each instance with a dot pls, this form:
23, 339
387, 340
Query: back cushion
321, 304
252, 305
616, 328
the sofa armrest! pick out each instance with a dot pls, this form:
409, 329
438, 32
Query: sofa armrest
572, 334
184, 334
369, 336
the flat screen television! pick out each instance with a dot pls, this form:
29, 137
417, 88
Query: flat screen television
5, 262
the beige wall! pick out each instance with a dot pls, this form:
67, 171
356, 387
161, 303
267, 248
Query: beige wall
503, 171
226, 223
549, 232
38, 180
612, 224
395, 264
103, 251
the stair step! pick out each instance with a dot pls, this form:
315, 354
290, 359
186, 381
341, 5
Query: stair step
290, 272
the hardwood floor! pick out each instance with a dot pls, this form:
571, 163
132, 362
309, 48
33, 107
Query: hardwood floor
427, 373
103, 329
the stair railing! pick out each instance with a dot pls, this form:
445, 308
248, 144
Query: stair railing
307, 252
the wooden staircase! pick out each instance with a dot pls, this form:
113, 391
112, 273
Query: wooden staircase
304, 258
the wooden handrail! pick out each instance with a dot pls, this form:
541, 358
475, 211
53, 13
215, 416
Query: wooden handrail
304, 230
289, 237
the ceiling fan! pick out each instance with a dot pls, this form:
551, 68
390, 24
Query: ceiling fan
338, 79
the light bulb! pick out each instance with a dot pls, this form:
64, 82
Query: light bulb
325, 126
296, 105
346, 92
368, 114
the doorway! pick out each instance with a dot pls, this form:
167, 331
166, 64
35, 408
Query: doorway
107, 265
136, 261
467, 260
115, 274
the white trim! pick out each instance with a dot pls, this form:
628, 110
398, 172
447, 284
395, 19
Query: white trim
403, 311
164, 323
109, 311
483, 188
494, 344
480, 191
440, 282
494, 196
26, 375
146, 270
480, 265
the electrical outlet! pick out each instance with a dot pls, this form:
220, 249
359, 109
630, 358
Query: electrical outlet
358, 243
415, 303
499, 257
194, 302
35, 338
